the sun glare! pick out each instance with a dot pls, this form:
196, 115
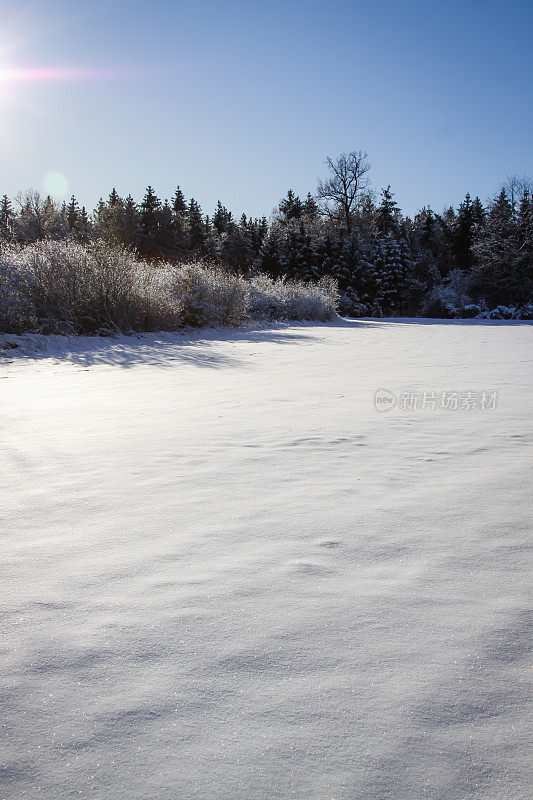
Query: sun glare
42, 74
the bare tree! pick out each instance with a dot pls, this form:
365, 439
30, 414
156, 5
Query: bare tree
39, 218
516, 186
348, 178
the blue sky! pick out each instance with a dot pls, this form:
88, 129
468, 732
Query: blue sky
239, 101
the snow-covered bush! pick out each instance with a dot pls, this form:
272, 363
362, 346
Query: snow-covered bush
64, 287
209, 295
470, 311
526, 312
67, 287
293, 300
502, 312
437, 308
446, 299
16, 309
359, 310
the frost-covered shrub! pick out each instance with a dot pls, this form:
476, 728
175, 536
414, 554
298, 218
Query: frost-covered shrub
526, 312
437, 308
470, 311
66, 287
209, 295
502, 312
293, 300
16, 309
349, 306
446, 299
345, 305
359, 310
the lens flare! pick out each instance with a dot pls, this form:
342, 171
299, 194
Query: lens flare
38, 74
56, 183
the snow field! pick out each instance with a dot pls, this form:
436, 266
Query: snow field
226, 576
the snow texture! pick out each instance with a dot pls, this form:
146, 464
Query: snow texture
226, 576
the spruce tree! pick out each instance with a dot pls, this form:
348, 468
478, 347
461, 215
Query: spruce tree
114, 197
306, 267
7, 220
179, 205
150, 221
84, 225
501, 276
290, 208
270, 259
346, 264
310, 208
131, 223
73, 215
328, 254
387, 212
464, 235
234, 250
222, 218
478, 212
196, 228
392, 277
525, 237
166, 233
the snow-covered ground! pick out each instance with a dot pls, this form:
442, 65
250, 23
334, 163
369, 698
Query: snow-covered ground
227, 576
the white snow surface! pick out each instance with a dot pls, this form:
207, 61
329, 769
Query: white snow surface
226, 576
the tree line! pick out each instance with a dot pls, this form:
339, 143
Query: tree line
463, 260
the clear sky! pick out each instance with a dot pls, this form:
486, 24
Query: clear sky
240, 100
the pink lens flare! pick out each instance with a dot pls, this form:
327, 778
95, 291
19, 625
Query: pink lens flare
29, 74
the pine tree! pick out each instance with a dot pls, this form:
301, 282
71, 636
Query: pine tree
391, 275
290, 254
310, 208
270, 259
387, 213
290, 208
222, 218
501, 275
306, 266
114, 197
150, 221
179, 205
375, 265
257, 231
234, 250
525, 236
166, 232
478, 213
84, 225
196, 228
328, 254
131, 230
501, 213
425, 222
346, 266
464, 235
7, 220
73, 215
109, 220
